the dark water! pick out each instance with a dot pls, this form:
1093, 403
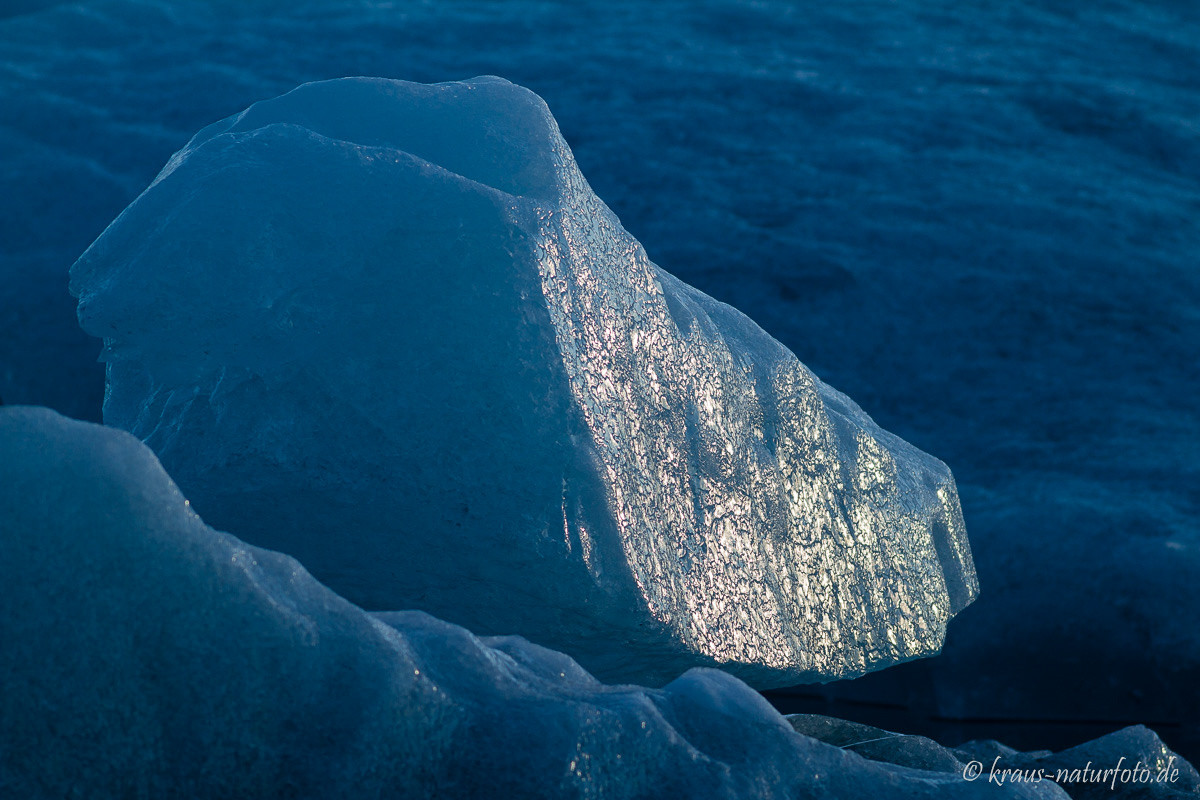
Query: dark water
1021, 734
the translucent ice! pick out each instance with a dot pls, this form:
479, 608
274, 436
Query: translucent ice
389, 329
147, 655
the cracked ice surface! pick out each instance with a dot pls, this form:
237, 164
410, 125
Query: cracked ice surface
389, 328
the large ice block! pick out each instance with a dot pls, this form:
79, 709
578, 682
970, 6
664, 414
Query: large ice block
389, 329
147, 655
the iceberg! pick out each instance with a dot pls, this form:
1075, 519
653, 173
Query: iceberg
147, 655
389, 329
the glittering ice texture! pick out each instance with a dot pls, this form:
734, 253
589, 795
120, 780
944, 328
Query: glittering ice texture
147, 655
388, 328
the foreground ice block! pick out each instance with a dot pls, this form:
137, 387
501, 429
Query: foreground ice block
389, 329
146, 655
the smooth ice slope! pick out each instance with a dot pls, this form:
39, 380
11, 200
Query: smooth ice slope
147, 655
388, 328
